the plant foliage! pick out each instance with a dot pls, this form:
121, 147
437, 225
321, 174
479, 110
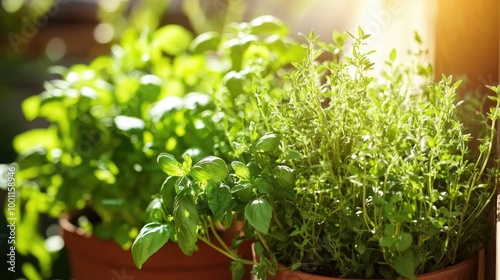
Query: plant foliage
340, 172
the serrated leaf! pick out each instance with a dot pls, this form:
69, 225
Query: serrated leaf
170, 165
241, 170
150, 239
219, 200
186, 220
259, 214
210, 170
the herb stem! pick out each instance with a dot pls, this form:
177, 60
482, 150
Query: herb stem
230, 255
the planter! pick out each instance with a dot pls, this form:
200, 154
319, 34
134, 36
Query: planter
95, 259
466, 270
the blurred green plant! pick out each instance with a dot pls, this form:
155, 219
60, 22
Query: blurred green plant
156, 92
213, 15
20, 20
109, 119
123, 15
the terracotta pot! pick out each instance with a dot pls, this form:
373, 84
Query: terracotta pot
466, 270
95, 259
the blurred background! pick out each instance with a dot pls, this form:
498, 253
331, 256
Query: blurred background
36, 36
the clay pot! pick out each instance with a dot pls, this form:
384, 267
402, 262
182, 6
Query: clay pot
466, 270
95, 259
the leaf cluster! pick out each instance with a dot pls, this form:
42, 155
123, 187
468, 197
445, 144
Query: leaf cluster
158, 91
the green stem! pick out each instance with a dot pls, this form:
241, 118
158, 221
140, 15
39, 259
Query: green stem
227, 254
477, 175
263, 241
217, 236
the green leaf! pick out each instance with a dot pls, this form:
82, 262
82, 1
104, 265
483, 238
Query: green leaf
129, 124
165, 107
121, 235
38, 137
268, 25
105, 175
293, 155
243, 191
194, 100
31, 107
30, 271
404, 265
210, 170
208, 41
389, 230
168, 193
237, 270
259, 213
170, 165
36, 157
285, 176
241, 170
268, 143
386, 241
150, 239
392, 55
186, 220
155, 211
403, 242
263, 185
296, 265
417, 37
172, 39
187, 164
234, 82
219, 200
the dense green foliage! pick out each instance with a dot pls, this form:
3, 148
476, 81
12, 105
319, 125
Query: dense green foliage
386, 184
337, 171
156, 92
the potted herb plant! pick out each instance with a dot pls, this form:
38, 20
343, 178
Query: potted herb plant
342, 173
95, 167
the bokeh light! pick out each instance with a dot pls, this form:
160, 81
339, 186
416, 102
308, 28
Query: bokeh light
56, 48
103, 33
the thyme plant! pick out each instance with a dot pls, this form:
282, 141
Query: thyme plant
386, 184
